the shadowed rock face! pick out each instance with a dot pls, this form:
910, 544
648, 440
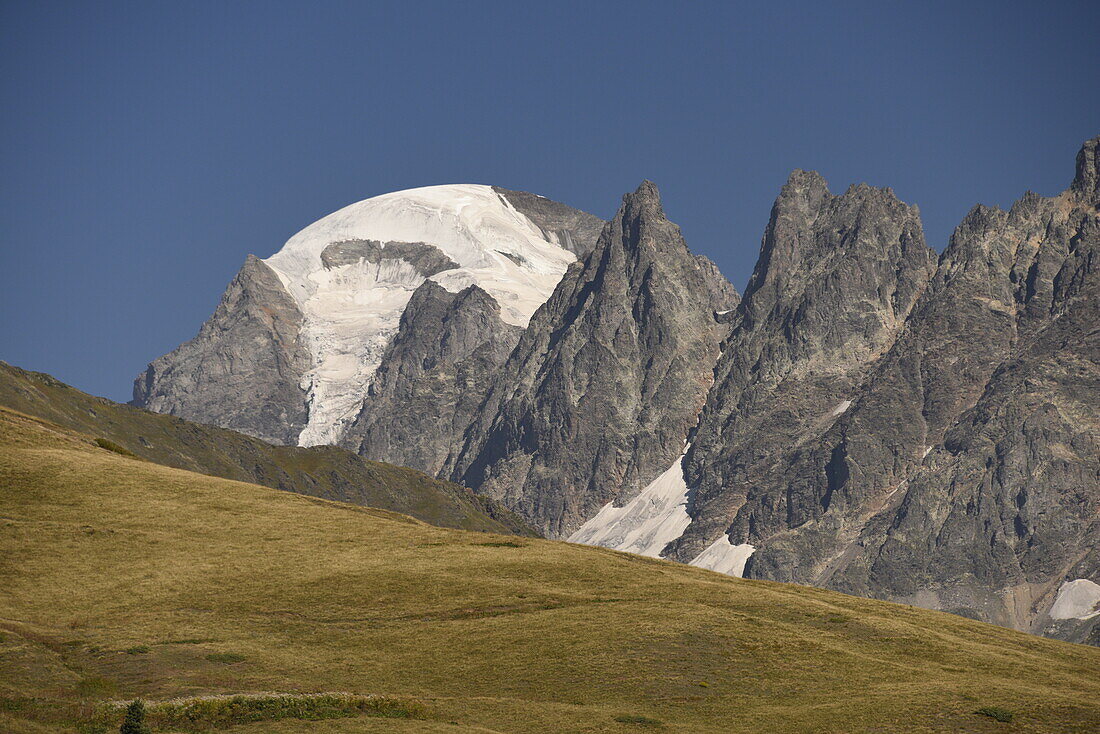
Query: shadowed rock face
242, 370
433, 377
959, 469
598, 396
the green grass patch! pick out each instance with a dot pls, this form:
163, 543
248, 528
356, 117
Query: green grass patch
204, 713
11, 705
95, 686
996, 712
502, 544
225, 657
639, 721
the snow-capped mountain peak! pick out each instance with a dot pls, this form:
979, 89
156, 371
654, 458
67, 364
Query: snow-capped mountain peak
353, 271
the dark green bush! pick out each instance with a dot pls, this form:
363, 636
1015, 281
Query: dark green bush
104, 443
134, 723
638, 720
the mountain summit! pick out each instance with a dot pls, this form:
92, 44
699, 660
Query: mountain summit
321, 311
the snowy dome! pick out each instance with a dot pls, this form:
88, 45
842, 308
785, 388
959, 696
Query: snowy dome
352, 306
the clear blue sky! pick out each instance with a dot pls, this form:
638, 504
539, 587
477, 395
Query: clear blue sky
148, 147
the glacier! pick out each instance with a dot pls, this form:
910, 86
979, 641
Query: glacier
352, 310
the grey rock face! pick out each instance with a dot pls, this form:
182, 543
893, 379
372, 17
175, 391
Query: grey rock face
836, 279
426, 259
1004, 510
433, 377
242, 370
962, 470
598, 396
571, 228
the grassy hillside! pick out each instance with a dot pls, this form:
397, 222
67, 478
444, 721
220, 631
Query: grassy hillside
122, 578
326, 471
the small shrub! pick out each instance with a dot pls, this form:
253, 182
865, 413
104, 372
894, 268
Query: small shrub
502, 544
104, 443
221, 712
134, 723
14, 704
189, 641
137, 650
996, 712
639, 721
225, 657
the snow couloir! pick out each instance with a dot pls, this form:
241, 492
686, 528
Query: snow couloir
352, 309
655, 518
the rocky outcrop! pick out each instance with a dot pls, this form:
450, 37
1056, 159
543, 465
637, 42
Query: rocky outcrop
570, 228
836, 279
599, 395
433, 377
242, 371
959, 467
1005, 509
426, 260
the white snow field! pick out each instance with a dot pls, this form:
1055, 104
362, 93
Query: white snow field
1077, 599
351, 311
645, 524
724, 557
841, 407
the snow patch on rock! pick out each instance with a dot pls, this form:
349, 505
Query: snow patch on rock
841, 407
1077, 599
352, 311
724, 557
645, 524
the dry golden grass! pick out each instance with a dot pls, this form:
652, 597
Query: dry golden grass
103, 556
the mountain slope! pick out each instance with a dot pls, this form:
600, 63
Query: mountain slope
125, 578
599, 394
320, 472
252, 350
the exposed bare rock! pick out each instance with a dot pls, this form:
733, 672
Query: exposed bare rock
599, 395
836, 279
959, 469
433, 377
242, 371
426, 259
573, 229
